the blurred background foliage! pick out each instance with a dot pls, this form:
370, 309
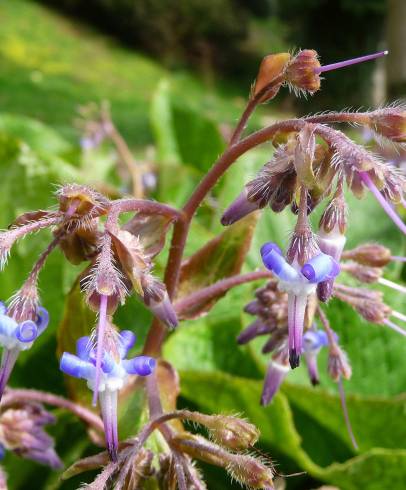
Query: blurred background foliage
176, 86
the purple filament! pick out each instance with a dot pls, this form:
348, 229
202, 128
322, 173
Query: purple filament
101, 327
383, 202
353, 61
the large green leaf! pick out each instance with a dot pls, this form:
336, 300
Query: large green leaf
37, 135
183, 134
375, 421
221, 393
221, 257
208, 344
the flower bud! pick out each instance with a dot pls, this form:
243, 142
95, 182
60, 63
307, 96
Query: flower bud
246, 469
370, 254
338, 365
81, 199
228, 431
254, 330
249, 471
22, 431
270, 75
300, 73
363, 273
277, 371
239, 208
390, 123
373, 311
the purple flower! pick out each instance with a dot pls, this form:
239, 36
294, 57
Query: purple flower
299, 282
16, 337
22, 431
313, 341
114, 372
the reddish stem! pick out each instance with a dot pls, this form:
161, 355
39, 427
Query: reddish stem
13, 396
217, 289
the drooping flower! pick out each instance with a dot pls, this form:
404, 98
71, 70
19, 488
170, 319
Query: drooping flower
115, 369
271, 309
22, 431
17, 336
313, 341
299, 279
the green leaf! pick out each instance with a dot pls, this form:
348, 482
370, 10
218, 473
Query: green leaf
221, 393
183, 134
375, 421
37, 135
209, 344
374, 470
222, 257
161, 118
218, 392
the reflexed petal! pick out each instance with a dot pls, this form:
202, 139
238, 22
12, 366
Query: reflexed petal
127, 342
275, 375
278, 265
74, 366
141, 365
269, 247
42, 320
83, 348
320, 268
3, 308
26, 331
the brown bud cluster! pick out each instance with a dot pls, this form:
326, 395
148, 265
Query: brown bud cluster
368, 304
81, 200
300, 73
246, 469
390, 123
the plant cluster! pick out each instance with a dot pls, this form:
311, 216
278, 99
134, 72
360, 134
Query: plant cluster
312, 165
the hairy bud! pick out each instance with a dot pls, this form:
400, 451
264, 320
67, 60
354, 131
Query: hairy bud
300, 73
228, 431
390, 123
270, 75
370, 254
363, 273
22, 431
246, 469
80, 200
338, 365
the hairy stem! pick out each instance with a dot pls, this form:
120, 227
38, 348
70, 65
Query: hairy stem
253, 102
13, 396
217, 289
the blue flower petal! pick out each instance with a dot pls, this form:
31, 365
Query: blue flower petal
141, 365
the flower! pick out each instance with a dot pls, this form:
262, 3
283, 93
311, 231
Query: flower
313, 341
299, 281
22, 431
17, 336
115, 369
